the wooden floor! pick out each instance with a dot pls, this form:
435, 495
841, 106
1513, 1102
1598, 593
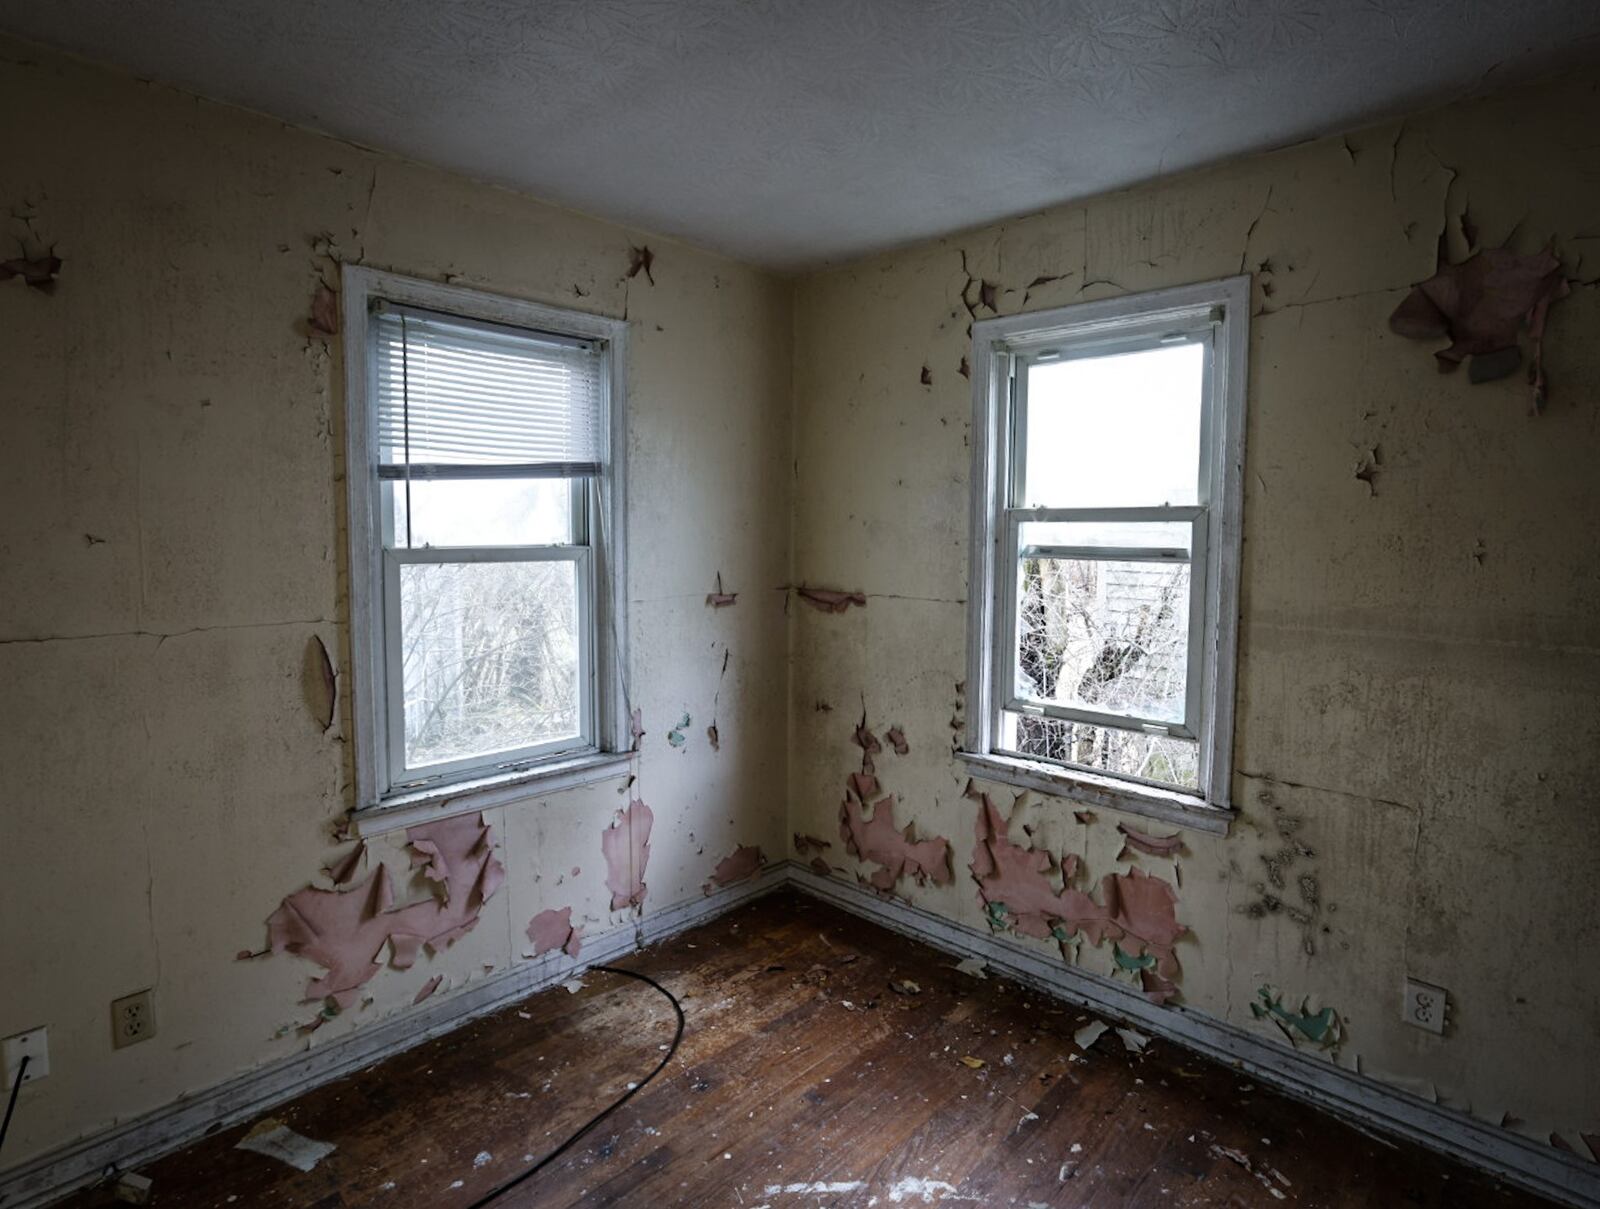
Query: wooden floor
805, 1080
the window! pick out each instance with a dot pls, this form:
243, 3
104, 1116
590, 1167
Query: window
1108, 441
485, 560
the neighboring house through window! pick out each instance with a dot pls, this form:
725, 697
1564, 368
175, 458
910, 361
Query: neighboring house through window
485, 486
1104, 595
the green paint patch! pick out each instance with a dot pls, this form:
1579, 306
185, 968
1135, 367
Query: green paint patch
675, 736
1320, 1028
1133, 964
998, 914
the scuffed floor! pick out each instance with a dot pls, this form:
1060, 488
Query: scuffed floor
826, 1062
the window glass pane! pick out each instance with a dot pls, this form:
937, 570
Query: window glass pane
1104, 635
1107, 535
482, 512
1116, 431
1127, 753
489, 657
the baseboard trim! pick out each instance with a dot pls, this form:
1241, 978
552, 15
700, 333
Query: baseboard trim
130, 1144
1353, 1097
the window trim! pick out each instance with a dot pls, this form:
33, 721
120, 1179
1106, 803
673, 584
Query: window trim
1098, 326
605, 755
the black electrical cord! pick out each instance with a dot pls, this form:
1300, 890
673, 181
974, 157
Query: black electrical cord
16, 1086
496, 1193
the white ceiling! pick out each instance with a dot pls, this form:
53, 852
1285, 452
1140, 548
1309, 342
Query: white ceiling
792, 133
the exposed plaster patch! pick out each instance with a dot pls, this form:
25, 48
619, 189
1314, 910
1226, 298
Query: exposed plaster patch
1279, 864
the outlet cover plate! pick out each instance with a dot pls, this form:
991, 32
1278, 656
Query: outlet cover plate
133, 1019
35, 1043
1425, 1006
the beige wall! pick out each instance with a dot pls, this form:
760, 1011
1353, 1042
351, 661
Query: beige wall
165, 784
1419, 676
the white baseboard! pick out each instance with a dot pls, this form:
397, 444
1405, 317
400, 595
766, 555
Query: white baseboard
1350, 1096
128, 1145
1353, 1097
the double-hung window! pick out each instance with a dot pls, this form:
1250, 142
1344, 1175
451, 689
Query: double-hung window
1105, 549
485, 476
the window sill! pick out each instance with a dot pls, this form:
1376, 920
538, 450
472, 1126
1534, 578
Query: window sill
1169, 805
464, 797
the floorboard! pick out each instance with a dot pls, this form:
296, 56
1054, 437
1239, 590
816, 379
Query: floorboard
804, 1079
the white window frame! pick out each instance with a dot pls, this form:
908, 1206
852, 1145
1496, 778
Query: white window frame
383, 799
1000, 347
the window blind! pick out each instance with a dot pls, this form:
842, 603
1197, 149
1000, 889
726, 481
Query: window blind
458, 398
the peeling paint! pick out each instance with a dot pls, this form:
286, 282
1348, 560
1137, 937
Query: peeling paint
626, 848
743, 862
1017, 892
878, 841
675, 736
40, 272
830, 600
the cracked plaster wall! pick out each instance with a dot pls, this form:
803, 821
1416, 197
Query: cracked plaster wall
171, 506
1419, 674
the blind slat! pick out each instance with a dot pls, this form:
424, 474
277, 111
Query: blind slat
450, 393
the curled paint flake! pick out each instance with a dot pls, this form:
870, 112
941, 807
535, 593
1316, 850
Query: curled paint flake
1322, 1029
829, 600
1481, 306
325, 311
344, 870
897, 740
428, 988
720, 599
809, 843
40, 272
636, 727
641, 260
714, 737
740, 864
1155, 845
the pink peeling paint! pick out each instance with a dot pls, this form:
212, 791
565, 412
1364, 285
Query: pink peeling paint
428, 988
1016, 888
897, 740
878, 841
626, 848
342, 931
741, 863
550, 929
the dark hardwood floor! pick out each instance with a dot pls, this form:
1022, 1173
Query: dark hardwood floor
805, 1080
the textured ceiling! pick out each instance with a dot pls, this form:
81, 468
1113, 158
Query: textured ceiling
796, 132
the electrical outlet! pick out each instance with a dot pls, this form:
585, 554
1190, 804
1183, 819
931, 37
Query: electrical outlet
1425, 1006
133, 1019
35, 1044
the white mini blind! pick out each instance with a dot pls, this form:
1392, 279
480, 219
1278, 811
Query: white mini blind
461, 398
